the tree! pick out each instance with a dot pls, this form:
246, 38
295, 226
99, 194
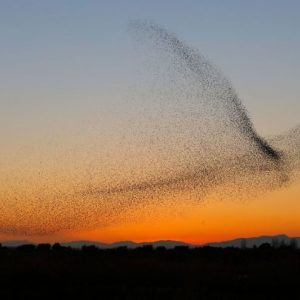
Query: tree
293, 243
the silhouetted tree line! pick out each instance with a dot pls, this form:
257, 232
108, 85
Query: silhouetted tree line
269, 271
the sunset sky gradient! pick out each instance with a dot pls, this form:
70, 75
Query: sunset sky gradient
66, 66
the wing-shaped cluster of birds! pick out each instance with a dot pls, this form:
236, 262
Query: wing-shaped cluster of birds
189, 136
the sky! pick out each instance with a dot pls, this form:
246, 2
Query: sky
66, 66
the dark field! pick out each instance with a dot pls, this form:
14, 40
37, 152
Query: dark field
146, 273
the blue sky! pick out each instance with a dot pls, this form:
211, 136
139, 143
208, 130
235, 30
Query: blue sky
62, 60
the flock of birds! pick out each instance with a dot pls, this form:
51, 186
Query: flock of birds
191, 137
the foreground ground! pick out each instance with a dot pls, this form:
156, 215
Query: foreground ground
145, 273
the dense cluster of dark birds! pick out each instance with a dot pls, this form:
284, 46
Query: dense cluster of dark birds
191, 136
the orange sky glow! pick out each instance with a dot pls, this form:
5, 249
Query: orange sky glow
210, 220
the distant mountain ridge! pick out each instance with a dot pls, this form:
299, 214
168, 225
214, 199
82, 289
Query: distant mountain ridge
78, 244
256, 241
129, 244
169, 244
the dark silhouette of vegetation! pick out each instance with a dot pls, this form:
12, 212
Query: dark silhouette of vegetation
57, 272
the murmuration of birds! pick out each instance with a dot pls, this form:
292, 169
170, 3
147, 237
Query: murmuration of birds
189, 137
